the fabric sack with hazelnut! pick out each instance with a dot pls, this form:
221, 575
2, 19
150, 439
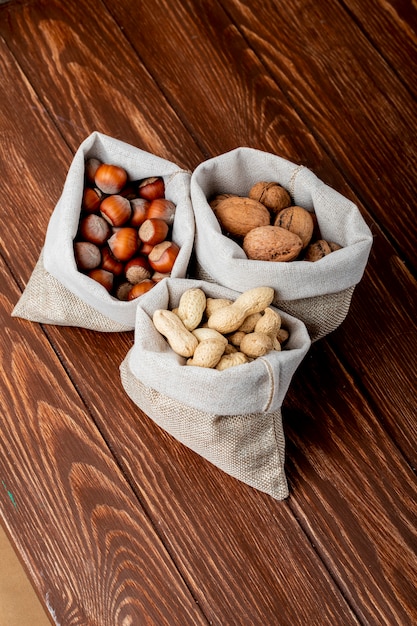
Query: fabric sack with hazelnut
212, 367
261, 219
94, 263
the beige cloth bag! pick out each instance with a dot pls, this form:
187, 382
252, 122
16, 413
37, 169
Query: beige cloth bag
231, 418
56, 292
317, 293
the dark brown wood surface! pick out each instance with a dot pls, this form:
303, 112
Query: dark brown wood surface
116, 522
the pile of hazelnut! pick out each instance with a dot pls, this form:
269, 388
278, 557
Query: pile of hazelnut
269, 227
125, 229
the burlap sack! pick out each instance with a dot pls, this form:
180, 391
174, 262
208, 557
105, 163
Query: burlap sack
318, 293
56, 292
231, 418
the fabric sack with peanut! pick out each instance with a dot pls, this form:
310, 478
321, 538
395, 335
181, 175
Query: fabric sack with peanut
212, 366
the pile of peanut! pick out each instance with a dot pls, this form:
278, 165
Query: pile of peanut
220, 333
269, 227
124, 234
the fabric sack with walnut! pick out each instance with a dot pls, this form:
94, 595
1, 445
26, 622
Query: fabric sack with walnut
57, 292
230, 416
313, 270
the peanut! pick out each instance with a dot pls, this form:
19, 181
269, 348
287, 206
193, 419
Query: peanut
231, 360
208, 333
208, 353
270, 323
249, 323
256, 344
236, 337
171, 327
228, 319
282, 335
212, 304
191, 307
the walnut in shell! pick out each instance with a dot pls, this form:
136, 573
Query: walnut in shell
298, 220
272, 195
272, 243
238, 215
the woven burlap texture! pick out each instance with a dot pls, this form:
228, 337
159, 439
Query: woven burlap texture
321, 314
47, 301
250, 447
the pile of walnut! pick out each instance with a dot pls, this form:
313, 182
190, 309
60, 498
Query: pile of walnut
220, 333
124, 234
269, 227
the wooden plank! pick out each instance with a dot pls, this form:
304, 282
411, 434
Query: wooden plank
258, 538
91, 78
242, 553
344, 92
365, 528
233, 77
212, 557
391, 26
89, 547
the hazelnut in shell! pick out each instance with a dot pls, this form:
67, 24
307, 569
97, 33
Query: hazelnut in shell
103, 277
124, 243
151, 188
153, 231
91, 199
139, 214
163, 256
110, 178
87, 255
140, 288
137, 269
95, 229
116, 210
163, 209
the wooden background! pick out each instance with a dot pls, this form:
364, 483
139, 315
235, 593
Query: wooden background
115, 521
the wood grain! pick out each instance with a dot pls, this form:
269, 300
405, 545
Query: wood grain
345, 92
116, 521
391, 27
65, 501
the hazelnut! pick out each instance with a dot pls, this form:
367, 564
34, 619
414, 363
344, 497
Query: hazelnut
140, 288
103, 277
91, 199
122, 291
110, 178
163, 209
109, 263
91, 166
87, 255
153, 231
139, 208
116, 210
95, 229
137, 269
124, 243
162, 256
151, 188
